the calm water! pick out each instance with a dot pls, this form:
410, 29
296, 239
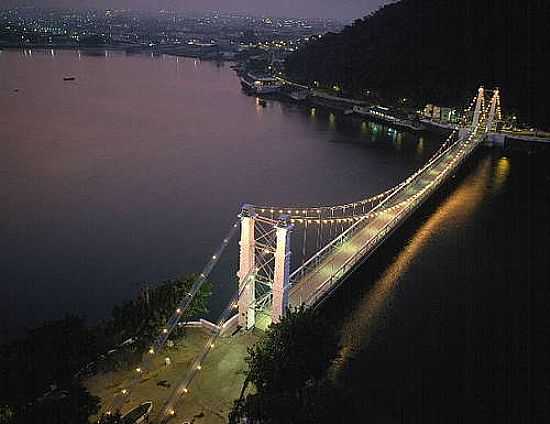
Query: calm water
134, 171
449, 321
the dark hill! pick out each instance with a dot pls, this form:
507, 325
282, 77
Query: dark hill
440, 51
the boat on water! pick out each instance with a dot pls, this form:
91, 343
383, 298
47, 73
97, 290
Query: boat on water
382, 114
260, 84
138, 415
69, 78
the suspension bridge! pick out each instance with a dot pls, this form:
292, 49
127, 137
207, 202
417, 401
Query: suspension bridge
328, 242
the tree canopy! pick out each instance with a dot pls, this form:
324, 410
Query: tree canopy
439, 51
287, 369
39, 373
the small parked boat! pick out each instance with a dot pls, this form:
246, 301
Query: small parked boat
138, 415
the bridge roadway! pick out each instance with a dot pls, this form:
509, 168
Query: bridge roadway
329, 269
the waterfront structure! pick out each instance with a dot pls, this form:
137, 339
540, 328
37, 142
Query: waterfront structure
383, 114
261, 84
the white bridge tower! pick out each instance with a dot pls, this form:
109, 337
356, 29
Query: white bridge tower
264, 260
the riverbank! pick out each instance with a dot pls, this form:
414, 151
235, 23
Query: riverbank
214, 389
52, 361
395, 116
191, 51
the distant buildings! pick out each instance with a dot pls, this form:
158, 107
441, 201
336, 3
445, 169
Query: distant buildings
441, 114
211, 35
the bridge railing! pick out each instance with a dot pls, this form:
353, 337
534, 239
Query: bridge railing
316, 259
367, 248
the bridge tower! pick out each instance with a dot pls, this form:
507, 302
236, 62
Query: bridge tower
247, 316
495, 114
282, 269
480, 104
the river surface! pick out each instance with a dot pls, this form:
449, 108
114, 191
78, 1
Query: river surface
134, 171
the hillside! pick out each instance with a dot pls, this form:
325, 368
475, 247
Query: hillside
439, 51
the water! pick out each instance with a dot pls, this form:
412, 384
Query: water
449, 320
134, 172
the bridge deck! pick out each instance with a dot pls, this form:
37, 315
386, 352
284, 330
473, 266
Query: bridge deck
316, 284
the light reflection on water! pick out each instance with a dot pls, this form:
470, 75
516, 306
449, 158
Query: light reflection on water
502, 170
457, 208
173, 149
420, 146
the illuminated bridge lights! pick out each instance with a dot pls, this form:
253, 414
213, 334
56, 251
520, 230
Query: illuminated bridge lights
333, 259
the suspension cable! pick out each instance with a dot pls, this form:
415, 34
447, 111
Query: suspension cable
181, 311
185, 302
306, 212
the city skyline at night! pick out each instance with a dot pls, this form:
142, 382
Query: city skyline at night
342, 10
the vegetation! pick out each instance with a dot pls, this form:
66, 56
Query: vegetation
287, 369
143, 317
39, 374
114, 418
436, 51
6, 414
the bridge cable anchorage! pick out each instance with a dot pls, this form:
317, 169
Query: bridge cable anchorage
183, 386
186, 301
180, 313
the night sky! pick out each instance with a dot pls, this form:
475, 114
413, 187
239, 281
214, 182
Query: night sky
340, 9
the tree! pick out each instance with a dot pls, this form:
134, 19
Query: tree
50, 354
6, 414
145, 316
297, 349
287, 368
113, 418
433, 51
73, 405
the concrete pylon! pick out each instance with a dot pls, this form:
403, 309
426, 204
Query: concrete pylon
492, 111
282, 269
479, 106
247, 317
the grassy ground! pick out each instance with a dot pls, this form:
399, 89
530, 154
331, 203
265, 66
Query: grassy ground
211, 394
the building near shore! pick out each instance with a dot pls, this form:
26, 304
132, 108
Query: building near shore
441, 114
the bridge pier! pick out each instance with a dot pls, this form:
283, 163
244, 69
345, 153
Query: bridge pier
247, 317
282, 269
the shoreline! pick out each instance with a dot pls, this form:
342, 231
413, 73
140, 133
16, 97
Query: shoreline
176, 51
